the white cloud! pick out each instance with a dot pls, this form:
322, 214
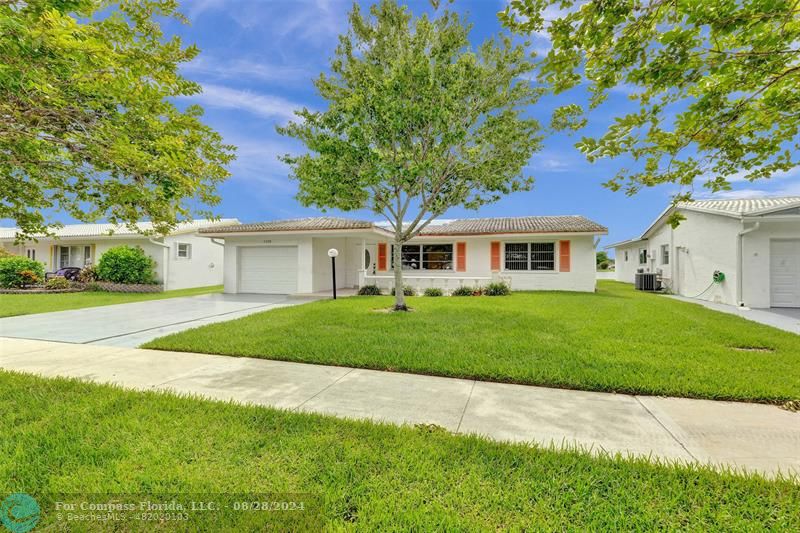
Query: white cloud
263, 105
212, 67
791, 188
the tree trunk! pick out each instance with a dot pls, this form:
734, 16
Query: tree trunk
399, 297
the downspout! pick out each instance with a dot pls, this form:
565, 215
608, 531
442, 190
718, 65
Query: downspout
740, 261
165, 256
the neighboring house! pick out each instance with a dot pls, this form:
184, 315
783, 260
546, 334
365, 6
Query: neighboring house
754, 242
183, 260
291, 256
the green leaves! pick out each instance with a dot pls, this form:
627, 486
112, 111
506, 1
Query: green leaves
717, 83
417, 121
88, 127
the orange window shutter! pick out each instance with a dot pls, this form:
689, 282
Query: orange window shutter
381, 256
461, 257
495, 256
563, 256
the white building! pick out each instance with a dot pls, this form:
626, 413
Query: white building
183, 260
529, 253
754, 242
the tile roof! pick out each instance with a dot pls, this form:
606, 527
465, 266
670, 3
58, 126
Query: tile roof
467, 226
295, 224
743, 206
536, 224
104, 230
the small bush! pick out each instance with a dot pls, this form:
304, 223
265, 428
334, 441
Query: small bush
408, 290
369, 290
29, 277
88, 275
126, 264
433, 291
463, 291
57, 283
12, 268
497, 289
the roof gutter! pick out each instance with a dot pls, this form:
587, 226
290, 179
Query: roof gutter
740, 261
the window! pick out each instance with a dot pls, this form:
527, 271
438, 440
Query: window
530, 256
426, 256
665, 254
63, 256
87, 255
626, 256
642, 256
31, 253
184, 251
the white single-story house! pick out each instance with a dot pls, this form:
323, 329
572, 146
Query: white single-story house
291, 256
754, 242
183, 260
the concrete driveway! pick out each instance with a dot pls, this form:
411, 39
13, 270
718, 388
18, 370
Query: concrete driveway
132, 324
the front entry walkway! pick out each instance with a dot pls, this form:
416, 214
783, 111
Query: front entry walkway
133, 324
754, 437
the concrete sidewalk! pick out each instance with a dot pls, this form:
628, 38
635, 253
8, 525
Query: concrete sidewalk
749, 436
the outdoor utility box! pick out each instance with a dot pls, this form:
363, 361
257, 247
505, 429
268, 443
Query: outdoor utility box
646, 281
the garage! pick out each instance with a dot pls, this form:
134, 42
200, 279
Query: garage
268, 269
785, 273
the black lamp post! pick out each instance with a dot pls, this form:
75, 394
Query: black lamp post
332, 253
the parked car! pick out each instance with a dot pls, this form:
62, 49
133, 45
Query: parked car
70, 273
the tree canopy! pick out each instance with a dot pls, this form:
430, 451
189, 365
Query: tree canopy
416, 122
86, 122
716, 83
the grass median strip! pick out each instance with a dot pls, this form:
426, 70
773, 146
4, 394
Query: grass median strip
614, 340
66, 436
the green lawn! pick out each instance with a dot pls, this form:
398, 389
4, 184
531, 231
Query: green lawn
70, 437
615, 340
28, 304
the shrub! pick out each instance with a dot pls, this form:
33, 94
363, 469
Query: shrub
93, 287
88, 274
28, 277
369, 290
433, 291
463, 291
408, 290
12, 268
497, 289
57, 283
126, 264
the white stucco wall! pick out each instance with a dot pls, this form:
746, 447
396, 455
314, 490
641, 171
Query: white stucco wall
205, 267
626, 270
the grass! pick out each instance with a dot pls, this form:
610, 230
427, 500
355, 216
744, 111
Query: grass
614, 340
73, 437
28, 304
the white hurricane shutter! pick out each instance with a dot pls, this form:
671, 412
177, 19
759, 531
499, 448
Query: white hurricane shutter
268, 269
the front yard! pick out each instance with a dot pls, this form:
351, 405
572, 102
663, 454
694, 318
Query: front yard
28, 304
615, 340
69, 437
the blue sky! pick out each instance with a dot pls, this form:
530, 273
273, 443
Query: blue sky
256, 64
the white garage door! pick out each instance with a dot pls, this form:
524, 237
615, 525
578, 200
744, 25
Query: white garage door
268, 269
785, 273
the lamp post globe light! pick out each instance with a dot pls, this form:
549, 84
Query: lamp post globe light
332, 253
